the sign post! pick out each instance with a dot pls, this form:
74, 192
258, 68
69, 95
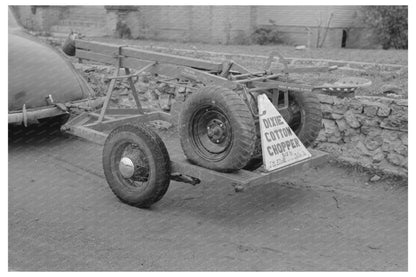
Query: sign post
280, 145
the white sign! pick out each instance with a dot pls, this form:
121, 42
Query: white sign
280, 145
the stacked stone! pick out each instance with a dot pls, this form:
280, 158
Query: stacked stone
368, 131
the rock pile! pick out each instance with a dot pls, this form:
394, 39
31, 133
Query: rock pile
153, 94
368, 131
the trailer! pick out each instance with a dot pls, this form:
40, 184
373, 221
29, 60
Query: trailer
218, 123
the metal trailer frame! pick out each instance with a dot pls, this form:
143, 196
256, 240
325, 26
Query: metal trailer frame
86, 126
95, 126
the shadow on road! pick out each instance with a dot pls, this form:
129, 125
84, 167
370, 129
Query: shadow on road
219, 203
35, 135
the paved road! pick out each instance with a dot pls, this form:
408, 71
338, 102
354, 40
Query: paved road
63, 216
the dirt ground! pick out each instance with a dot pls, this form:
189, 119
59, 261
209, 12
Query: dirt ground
63, 217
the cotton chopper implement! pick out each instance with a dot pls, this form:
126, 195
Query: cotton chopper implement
218, 122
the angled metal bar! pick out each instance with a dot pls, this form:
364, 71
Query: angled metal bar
259, 78
109, 124
87, 133
96, 115
108, 94
134, 91
238, 67
303, 69
226, 67
286, 97
275, 97
123, 76
122, 111
252, 74
281, 85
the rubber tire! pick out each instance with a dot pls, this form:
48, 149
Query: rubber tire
311, 117
311, 114
241, 121
150, 143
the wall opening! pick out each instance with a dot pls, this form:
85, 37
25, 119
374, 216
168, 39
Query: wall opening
344, 38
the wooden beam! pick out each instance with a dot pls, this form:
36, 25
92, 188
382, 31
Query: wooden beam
97, 57
128, 62
170, 59
98, 47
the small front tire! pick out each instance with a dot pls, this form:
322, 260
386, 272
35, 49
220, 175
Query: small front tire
136, 165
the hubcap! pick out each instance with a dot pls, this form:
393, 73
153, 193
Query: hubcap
216, 131
133, 164
126, 167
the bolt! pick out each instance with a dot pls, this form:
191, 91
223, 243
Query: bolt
218, 141
238, 188
65, 128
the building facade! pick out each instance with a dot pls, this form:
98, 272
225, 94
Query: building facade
313, 26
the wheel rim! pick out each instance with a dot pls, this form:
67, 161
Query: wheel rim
211, 133
131, 166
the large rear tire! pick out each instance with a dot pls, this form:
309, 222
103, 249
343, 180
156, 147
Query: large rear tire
217, 130
306, 116
136, 165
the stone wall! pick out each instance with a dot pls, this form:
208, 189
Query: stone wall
366, 131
